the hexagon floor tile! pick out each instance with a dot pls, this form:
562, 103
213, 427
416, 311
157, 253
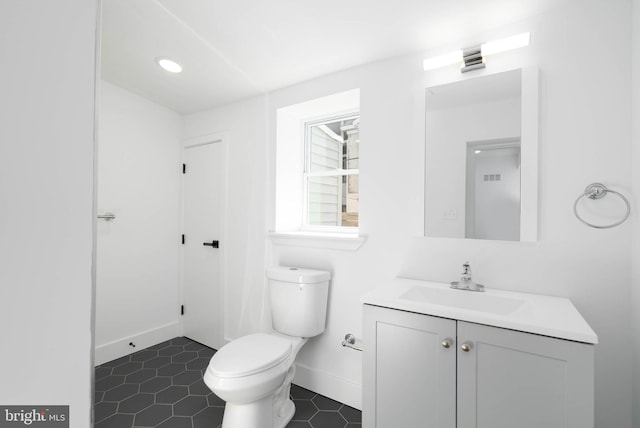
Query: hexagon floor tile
161, 386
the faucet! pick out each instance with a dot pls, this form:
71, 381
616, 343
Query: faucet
466, 274
466, 283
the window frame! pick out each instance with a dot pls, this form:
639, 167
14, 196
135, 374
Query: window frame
338, 172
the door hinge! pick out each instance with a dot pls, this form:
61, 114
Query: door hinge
183, 239
181, 309
184, 168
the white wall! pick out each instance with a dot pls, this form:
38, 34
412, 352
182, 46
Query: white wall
584, 137
635, 159
46, 203
139, 178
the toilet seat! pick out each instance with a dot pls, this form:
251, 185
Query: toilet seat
249, 355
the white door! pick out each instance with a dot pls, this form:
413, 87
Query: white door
203, 183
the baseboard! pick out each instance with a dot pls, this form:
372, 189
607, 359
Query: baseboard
120, 347
329, 385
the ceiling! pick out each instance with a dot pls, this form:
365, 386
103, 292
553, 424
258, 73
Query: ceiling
232, 50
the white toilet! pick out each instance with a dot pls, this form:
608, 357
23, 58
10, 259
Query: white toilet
253, 373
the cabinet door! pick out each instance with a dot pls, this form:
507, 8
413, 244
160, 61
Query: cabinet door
510, 379
409, 376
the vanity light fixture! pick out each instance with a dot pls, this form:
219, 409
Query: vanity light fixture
473, 58
169, 65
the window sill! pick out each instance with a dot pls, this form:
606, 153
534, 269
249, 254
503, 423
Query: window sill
333, 241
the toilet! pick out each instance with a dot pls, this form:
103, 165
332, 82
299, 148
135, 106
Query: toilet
253, 373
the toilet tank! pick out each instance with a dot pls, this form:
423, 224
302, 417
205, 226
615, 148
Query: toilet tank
298, 300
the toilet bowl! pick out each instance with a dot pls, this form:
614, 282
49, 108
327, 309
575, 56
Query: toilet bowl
253, 373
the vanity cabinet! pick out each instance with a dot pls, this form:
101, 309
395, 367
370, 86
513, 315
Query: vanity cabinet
423, 371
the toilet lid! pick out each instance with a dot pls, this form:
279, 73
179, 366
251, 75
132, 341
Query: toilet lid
249, 354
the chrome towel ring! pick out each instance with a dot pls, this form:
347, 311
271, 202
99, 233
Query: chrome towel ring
597, 191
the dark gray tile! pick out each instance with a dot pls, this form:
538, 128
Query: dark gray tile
181, 341
350, 414
353, 425
109, 382
156, 362
171, 395
327, 419
206, 353
209, 417
136, 403
116, 421
121, 392
144, 355
187, 378
214, 400
305, 409
127, 368
325, 403
156, 384
198, 364
299, 393
171, 369
184, 357
176, 422
102, 372
171, 350
190, 405
153, 415
148, 389
194, 346
104, 410
199, 388
140, 376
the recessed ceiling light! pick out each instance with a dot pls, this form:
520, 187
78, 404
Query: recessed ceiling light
168, 64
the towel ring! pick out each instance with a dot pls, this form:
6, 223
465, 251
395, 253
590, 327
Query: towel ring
596, 191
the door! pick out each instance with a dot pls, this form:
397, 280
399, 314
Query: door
203, 184
510, 379
492, 206
409, 370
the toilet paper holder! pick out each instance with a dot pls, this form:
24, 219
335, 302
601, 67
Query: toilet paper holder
350, 342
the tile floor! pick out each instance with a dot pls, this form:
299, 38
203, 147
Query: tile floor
162, 386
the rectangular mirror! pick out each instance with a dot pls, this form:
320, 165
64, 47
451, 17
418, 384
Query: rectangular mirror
481, 157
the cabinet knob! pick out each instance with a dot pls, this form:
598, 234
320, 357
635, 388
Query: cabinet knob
447, 343
466, 347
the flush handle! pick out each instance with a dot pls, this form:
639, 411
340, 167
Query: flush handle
447, 343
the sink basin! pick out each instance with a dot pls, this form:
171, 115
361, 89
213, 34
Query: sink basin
468, 300
532, 313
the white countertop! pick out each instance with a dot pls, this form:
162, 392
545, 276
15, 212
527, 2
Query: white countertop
532, 313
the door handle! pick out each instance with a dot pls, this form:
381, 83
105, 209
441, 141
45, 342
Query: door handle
213, 244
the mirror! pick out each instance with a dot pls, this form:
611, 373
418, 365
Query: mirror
481, 157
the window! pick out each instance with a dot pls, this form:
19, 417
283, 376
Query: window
331, 173
317, 168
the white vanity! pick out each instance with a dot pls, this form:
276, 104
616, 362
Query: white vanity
441, 358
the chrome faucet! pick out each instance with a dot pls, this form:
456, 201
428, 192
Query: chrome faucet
466, 283
466, 274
